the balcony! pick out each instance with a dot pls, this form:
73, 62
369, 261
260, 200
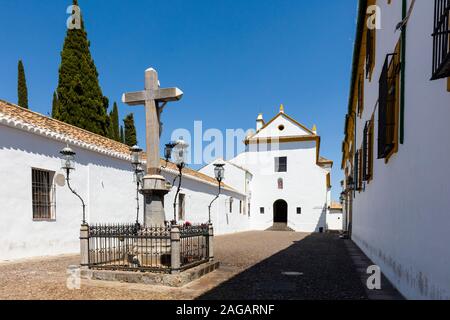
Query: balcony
441, 37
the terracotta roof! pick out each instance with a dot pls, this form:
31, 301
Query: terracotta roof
15, 116
335, 206
325, 160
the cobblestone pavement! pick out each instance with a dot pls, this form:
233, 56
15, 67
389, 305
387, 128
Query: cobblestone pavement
255, 265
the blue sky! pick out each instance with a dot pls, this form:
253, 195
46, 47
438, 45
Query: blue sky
233, 59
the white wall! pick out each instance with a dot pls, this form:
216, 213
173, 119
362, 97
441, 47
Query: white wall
199, 196
22, 237
401, 220
304, 185
334, 220
105, 183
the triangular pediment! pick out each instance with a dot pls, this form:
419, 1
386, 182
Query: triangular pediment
282, 125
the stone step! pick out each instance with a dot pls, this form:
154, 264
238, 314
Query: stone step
280, 227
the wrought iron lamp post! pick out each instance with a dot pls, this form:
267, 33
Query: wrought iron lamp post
219, 172
180, 158
139, 173
68, 157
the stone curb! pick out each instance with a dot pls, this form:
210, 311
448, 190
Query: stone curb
161, 279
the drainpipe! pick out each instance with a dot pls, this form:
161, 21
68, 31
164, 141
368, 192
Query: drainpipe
402, 80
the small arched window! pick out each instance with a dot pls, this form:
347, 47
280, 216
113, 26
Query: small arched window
280, 184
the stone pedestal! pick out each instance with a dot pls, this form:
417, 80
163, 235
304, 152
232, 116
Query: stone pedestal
154, 189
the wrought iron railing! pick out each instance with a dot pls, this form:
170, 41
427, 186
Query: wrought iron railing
441, 40
194, 245
131, 247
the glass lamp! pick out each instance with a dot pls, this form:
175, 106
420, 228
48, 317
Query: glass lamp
68, 157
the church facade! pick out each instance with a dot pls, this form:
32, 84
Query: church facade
286, 181
41, 217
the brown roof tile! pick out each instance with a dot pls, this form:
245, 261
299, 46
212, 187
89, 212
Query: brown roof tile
31, 118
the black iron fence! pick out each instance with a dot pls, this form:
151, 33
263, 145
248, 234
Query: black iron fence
131, 247
194, 245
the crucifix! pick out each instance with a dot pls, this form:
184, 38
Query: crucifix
154, 99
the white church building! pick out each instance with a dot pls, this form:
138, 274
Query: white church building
285, 180
286, 184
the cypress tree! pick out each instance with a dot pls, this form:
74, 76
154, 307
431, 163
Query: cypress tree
55, 106
80, 98
130, 130
122, 135
22, 91
114, 124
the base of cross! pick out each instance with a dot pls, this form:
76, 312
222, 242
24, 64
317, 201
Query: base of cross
154, 188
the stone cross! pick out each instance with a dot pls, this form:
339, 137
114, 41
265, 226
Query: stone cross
154, 185
151, 97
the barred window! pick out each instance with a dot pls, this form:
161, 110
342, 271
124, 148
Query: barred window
358, 170
360, 95
441, 40
368, 151
356, 165
388, 104
43, 194
261, 210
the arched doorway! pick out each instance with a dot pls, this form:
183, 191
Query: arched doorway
280, 212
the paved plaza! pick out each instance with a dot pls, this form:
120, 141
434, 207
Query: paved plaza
255, 265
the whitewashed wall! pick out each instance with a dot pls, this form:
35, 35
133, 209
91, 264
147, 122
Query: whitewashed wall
97, 183
105, 183
198, 197
334, 220
401, 220
304, 185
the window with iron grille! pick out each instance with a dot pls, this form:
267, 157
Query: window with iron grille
261, 210
368, 151
387, 104
356, 165
360, 170
43, 194
360, 95
441, 39
281, 164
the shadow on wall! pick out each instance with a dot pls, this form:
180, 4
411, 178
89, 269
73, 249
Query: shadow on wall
315, 268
